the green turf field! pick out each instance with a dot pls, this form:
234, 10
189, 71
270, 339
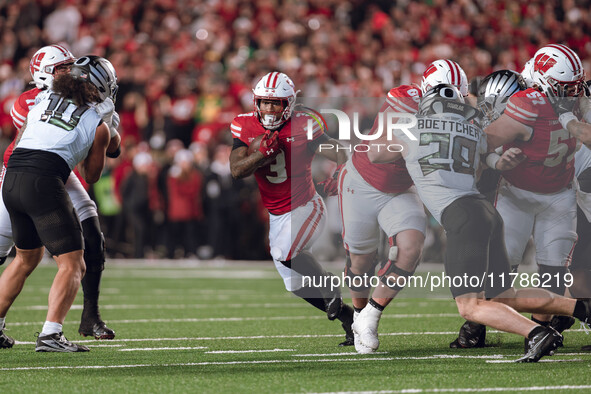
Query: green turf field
235, 329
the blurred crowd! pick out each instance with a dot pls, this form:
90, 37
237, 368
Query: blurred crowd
186, 68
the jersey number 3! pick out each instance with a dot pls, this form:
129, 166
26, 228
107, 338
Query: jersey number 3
278, 167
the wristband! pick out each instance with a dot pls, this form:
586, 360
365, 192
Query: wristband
115, 154
492, 159
565, 118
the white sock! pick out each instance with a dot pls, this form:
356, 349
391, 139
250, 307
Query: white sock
372, 311
2, 322
51, 328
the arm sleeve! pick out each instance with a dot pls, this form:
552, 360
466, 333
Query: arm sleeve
18, 114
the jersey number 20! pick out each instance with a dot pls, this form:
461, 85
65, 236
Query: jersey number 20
463, 153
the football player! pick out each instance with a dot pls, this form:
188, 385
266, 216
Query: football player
537, 198
376, 196
447, 186
47, 63
281, 166
60, 132
580, 266
493, 93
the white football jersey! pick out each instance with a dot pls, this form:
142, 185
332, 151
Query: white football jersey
582, 160
57, 125
443, 159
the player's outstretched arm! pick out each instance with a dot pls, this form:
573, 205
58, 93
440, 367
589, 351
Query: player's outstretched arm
92, 166
332, 150
579, 130
505, 161
504, 130
563, 106
378, 152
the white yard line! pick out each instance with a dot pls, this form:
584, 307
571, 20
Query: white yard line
359, 358
544, 360
145, 349
352, 353
238, 319
249, 351
170, 306
469, 390
274, 337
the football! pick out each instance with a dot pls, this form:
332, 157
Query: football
254, 146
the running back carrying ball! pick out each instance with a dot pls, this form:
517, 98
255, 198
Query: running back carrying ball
270, 146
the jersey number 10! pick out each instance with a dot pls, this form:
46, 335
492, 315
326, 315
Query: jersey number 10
55, 110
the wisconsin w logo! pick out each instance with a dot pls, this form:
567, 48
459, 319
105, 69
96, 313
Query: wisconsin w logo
543, 63
429, 71
36, 61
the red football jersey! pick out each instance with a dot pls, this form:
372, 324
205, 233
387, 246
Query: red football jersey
286, 183
19, 113
389, 177
550, 151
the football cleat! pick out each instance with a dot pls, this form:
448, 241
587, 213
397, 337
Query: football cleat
562, 323
365, 328
559, 323
542, 344
57, 343
6, 342
472, 335
346, 317
98, 330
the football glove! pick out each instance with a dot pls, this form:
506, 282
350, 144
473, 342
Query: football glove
269, 146
115, 120
560, 101
105, 110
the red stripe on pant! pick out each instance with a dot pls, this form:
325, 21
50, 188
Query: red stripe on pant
303, 230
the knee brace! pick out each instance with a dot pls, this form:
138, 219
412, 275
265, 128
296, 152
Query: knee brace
94, 245
389, 267
552, 278
357, 282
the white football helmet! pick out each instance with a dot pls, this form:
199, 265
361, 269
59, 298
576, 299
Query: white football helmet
447, 72
527, 73
557, 64
44, 62
275, 86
